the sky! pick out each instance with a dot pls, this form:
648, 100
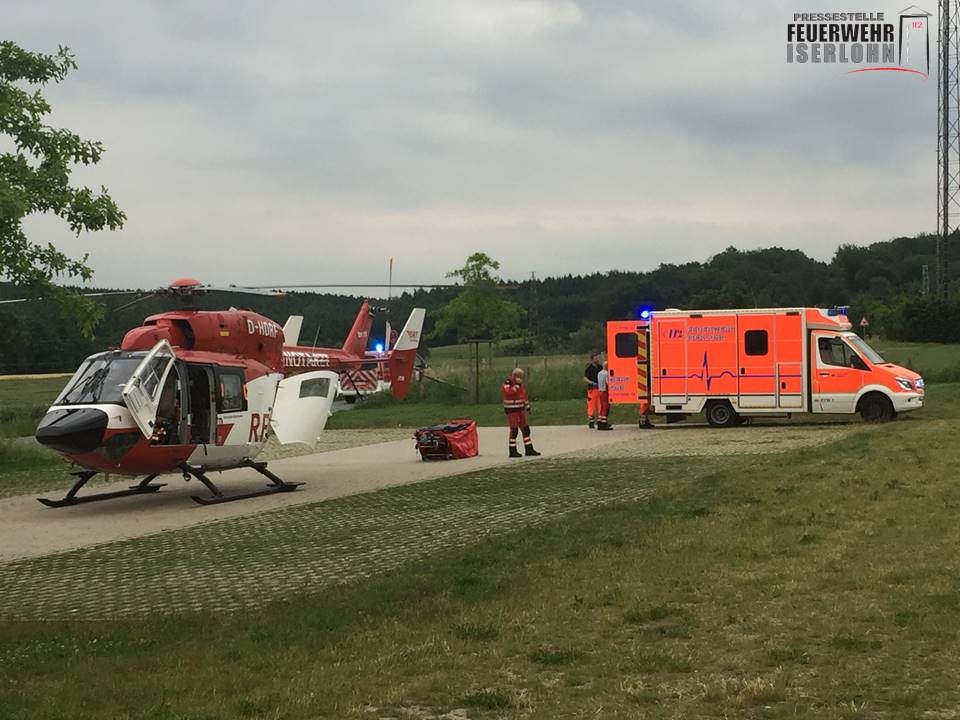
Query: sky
309, 142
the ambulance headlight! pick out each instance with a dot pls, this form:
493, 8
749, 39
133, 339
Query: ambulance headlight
919, 383
904, 383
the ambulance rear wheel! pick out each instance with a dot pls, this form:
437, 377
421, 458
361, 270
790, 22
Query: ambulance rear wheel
350, 399
876, 408
720, 413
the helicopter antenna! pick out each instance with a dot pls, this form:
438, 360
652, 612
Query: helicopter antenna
390, 283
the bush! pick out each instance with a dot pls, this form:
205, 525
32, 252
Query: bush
927, 318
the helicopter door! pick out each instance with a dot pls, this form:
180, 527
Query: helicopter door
142, 392
302, 406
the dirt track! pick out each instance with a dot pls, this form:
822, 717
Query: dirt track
27, 529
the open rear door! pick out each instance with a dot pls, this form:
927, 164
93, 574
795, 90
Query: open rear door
142, 391
627, 361
302, 406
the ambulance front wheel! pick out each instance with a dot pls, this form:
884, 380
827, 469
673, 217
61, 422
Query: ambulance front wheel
876, 408
720, 413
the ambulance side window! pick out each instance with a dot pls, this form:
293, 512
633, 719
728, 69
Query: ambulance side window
625, 345
756, 342
831, 351
230, 391
834, 351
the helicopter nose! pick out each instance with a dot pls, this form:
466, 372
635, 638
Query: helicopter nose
72, 430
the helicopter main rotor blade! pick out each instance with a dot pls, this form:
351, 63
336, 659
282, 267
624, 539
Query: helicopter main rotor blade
96, 294
354, 285
133, 302
260, 290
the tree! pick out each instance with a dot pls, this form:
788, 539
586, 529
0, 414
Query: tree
479, 311
34, 178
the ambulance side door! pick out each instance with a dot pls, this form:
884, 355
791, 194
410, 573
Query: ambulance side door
788, 336
757, 372
670, 369
837, 373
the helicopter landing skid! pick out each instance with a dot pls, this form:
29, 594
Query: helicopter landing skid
71, 498
276, 484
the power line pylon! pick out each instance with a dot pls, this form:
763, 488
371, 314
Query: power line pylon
948, 140
534, 316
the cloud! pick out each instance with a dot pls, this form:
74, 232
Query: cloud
305, 141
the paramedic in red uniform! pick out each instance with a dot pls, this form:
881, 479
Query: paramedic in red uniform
516, 406
593, 394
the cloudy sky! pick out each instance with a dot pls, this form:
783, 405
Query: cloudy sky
284, 142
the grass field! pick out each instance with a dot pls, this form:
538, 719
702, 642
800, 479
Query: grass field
24, 400
814, 584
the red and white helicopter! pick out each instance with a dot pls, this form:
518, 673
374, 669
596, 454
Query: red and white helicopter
200, 391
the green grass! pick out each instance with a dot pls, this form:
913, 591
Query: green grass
699, 601
27, 467
24, 400
936, 362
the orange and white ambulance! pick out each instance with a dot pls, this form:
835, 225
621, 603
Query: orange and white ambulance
733, 364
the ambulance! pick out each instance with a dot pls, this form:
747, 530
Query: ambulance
736, 364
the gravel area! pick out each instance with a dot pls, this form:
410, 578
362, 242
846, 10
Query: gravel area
332, 440
689, 440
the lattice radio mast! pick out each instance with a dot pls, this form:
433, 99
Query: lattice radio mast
948, 140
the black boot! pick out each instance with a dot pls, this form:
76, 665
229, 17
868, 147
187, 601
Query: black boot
590, 423
604, 425
514, 452
530, 452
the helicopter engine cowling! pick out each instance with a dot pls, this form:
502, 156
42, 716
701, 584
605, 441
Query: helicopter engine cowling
146, 336
240, 333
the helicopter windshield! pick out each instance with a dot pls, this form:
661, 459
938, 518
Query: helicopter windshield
100, 379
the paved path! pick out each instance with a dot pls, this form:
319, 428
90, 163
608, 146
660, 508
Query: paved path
28, 529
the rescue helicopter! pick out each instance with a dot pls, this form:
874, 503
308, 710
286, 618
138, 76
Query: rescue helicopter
200, 391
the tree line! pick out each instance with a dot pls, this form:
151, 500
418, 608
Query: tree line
883, 281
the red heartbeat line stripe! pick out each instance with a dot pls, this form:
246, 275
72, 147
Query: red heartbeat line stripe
889, 69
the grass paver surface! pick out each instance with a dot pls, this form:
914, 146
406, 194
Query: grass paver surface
819, 582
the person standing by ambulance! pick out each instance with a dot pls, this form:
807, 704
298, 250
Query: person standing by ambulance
590, 374
516, 406
603, 377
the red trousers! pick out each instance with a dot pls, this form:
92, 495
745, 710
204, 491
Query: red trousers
604, 402
593, 402
517, 419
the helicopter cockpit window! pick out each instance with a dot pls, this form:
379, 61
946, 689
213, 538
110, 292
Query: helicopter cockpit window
231, 391
100, 380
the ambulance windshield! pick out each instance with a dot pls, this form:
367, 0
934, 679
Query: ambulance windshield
100, 379
861, 345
